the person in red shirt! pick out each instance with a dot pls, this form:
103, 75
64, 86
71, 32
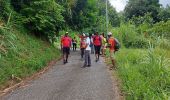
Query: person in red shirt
111, 46
97, 41
65, 45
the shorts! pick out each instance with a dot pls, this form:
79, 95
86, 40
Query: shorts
97, 49
66, 50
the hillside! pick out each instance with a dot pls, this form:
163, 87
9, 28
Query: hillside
22, 54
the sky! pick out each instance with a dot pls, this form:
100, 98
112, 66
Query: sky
120, 4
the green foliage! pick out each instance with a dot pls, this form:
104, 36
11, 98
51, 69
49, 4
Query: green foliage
161, 29
164, 14
144, 74
43, 17
146, 19
136, 8
4, 9
129, 37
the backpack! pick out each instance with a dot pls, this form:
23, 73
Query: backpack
117, 44
98, 40
83, 44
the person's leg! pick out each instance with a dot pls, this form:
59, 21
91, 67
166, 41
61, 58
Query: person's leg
64, 52
92, 49
99, 51
81, 52
86, 58
96, 52
75, 46
112, 57
67, 53
89, 59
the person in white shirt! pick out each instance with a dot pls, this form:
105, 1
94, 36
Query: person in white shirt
87, 61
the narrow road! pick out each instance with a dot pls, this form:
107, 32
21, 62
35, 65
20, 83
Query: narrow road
70, 82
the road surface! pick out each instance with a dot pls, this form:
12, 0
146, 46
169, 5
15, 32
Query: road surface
70, 82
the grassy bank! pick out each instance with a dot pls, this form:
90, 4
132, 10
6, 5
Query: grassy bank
145, 74
23, 55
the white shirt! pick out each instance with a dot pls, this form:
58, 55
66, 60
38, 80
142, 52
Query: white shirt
88, 43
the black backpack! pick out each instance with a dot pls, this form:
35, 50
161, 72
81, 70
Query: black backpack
117, 44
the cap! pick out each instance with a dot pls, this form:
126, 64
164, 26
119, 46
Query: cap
110, 33
84, 34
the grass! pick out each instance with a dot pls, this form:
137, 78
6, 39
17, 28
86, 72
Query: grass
145, 74
28, 56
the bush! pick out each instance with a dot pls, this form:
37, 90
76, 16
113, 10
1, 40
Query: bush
138, 42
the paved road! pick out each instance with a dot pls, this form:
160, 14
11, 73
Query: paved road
69, 82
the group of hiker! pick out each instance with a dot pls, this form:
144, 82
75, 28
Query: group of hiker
89, 44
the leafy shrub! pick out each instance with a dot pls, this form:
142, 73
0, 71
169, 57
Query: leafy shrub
161, 29
138, 42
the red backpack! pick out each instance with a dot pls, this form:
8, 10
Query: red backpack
97, 40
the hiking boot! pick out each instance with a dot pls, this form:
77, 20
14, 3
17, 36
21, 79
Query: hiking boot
84, 66
64, 62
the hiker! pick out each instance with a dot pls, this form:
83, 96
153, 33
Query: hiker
97, 41
87, 61
81, 36
91, 43
82, 46
65, 44
74, 43
104, 43
111, 46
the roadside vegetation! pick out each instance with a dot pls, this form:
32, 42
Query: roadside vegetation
143, 62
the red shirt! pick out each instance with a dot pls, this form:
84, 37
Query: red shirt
97, 40
66, 41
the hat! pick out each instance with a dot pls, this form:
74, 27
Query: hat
110, 33
66, 32
84, 34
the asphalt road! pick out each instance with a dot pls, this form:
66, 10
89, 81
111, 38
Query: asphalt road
70, 82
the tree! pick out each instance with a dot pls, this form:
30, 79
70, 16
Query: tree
164, 14
136, 8
43, 17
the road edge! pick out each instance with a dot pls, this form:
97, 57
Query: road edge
24, 81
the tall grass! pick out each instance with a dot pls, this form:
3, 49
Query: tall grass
145, 75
